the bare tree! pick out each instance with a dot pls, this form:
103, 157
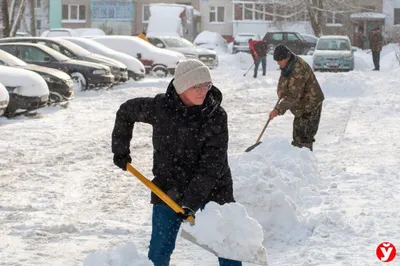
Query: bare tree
33, 17
6, 21
17, 22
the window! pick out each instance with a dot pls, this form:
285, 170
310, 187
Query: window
277, 36
38, 3
292, 37
269, 8
396, 16
217, 14
32, 54
238, 11
74, 12
259, 12
333, 18
38, 24
145, 13
248, 11
111, 10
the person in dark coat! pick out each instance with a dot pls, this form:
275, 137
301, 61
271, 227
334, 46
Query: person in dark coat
190, 141
299, 92
258, 50
376, 47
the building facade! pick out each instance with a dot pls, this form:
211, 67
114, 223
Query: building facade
216, 16
42, 20
113, 17
75, 14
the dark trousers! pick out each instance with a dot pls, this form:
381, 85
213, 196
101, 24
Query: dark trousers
305, 128
376, 56
165, 227
263, 62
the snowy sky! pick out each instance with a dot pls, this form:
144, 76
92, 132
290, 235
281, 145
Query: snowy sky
63, 202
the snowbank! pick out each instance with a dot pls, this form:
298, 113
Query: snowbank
211, 40
230, 232
272, 182
123, 255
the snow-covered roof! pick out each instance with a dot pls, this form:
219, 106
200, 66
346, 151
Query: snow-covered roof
368, 16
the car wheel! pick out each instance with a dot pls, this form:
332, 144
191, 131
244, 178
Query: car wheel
79, 81
159, 71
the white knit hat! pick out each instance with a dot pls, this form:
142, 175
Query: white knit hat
189, 73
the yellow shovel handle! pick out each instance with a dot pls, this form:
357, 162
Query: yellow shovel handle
164, 197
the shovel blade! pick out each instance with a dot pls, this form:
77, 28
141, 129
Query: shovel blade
252, 146
262, 253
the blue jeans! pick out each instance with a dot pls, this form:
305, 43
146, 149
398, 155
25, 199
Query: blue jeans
165, 227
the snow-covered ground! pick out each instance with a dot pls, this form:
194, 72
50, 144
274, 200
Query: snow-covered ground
63, 202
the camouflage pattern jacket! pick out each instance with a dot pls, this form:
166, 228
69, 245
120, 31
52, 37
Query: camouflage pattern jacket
300, 90
376, 42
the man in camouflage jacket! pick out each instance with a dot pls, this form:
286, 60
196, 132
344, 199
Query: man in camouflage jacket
376, 47
299, 92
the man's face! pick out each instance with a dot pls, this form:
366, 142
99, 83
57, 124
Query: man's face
196, 94
283, 62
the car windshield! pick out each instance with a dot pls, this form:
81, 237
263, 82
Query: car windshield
333, 44
11, 60
177, 42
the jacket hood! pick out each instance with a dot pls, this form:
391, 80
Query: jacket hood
210, 105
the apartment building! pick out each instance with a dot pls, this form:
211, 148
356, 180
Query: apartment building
75, 14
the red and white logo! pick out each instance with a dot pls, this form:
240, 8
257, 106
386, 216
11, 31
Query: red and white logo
386, 252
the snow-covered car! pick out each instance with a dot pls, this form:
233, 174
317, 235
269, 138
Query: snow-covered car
4, 98
334, 52
76, 52
165, 61
28, 90
241, 42
311, 40
60, 83
212, 41
79, 32
136, 69
188, 49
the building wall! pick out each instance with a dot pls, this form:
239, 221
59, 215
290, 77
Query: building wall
80, 23
113, 17
41, 16
224, 28
139, 24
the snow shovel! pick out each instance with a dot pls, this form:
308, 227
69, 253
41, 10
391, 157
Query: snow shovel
248, 70
258, 142
178, 209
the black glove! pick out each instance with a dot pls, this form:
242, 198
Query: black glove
122, 160
188, 212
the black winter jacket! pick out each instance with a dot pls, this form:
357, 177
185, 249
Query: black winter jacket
190, 161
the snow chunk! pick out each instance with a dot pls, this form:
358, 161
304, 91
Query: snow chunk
229, 231
123, 255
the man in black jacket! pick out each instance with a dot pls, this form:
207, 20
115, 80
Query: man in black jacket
190, 140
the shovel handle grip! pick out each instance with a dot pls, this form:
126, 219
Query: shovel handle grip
156, 190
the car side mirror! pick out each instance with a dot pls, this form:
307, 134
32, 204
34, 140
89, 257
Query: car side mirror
47, 59
139, 56
160, 45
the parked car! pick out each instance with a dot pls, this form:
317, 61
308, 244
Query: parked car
136, 69
310, 39
74, 51
85, 74
79, 32
4, 99
293, 40
212, 41
165, 61
241, 42
188, 49
28, 91
334, 52
60, 84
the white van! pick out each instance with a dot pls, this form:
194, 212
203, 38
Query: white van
164, 61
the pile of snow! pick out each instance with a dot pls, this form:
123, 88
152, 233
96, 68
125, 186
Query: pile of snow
230, 232
277, 183
123, 255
